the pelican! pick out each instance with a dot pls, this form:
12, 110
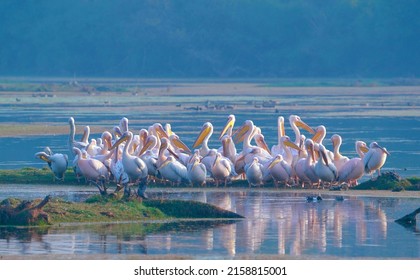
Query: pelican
339, 160
228, 148
305, 167
324, 168
278, 149
123, 125
354, 169
117, 169
135, 167
58, 163
296, 122
278, 169
173, 170
93, 170
375, 158
180, 149
149, 154
203, 138
197, 171
318, 138
254, 172
221, 169
72, 142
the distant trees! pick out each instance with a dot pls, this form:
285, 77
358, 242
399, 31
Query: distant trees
236, 38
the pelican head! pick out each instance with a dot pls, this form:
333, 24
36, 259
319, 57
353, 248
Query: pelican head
205, 132
161, 133
320, 132
375, 145
150, 142
301, 124
243, 130
287, 142
229, 124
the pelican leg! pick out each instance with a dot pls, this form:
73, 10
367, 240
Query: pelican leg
141, 191
127, 190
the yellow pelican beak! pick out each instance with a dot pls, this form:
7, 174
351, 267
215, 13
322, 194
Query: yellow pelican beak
264, 146
203, 133
364, 149
292, 145
317, 136
161, 133
146, 146
179, 144
229, 123
274, 162
240, 134
119, 141
303, 125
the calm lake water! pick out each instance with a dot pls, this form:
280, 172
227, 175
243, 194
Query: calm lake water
276, 224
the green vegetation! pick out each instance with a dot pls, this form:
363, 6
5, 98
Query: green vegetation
247, 38
390, 181
108, 209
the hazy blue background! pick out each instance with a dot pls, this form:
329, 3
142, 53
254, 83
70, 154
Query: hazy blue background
218, 38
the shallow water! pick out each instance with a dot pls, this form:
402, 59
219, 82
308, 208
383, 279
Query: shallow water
277, 224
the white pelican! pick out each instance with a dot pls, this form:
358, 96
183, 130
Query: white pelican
72, 142
197, 171
180, 149
203, 138
296, 122
149, 154
339, 160
228, 148
135, 167
93, 170
123, 125
354, 169
117, 169
58, 163
278, 169
375, 158
305, 167
318, 138
254, 172
173, 170
278, 149
324, 168
221, 169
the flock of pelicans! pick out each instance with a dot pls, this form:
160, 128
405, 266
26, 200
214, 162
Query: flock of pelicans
157, 153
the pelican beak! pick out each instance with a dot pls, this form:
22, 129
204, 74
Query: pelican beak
181, 145
384, 150
264, 146
161, 133
364, 149
229, 123
274, 162
203, 133
240, 134
216, 160
292, 145
225, 143
145, 147
317, 136
306, 127
324, 157
165, 163
120, 140
42, 156
173, 153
